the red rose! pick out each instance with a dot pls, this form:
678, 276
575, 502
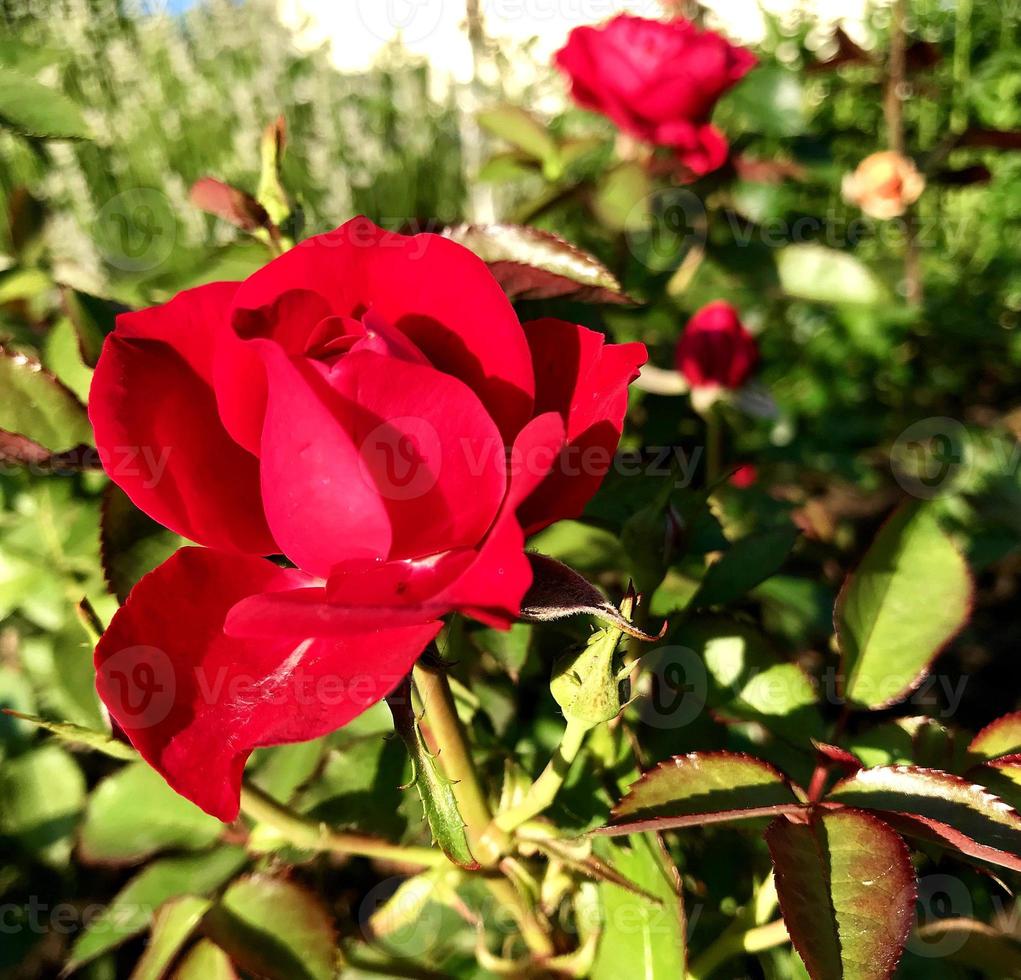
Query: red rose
657, 81
368, 406
716, 351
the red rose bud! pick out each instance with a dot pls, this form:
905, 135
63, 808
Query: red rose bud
715, 351
659, 82
369, 406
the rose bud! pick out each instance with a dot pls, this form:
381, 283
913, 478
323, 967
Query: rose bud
658, 81
884, 185
716, 353
369, 407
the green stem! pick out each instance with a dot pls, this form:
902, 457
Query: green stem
733, 942
962, 66
308, 834
455, 759
713, 445
544, 790
533, 932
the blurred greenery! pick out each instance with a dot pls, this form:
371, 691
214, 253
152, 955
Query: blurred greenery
102, 221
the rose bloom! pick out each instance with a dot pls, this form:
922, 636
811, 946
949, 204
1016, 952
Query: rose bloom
716, 353
658, 81
369, 408
884, 185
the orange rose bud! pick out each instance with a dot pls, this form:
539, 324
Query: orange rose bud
884, 185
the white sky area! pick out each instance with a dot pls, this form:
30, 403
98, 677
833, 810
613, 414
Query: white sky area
357, 30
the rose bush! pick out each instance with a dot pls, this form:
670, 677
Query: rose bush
369, 407
658, 81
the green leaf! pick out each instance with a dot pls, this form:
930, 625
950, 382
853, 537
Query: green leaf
132, 909
745, 565
62, 358
37, 406
702, 788
34, 109
438, 800
134, 813
907, 599
621, 201
522, 130
174, 923
359, 788
533, 264
282, 770
937, 806
206, 961
43, 792
76, 735
132, 544
771, 101
274, 929
93, 318
847, 893
826, 275
643, 935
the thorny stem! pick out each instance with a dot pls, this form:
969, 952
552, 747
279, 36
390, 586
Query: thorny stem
308, 834
455, 759
544, 790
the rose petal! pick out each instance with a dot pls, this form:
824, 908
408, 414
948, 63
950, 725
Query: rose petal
487, 583
196, 702
321, 503
437, 293
585, 380
157, 427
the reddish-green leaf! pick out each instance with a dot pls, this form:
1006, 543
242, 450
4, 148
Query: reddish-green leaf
1001, 737
907, 599
274, 929
937, 806
533, 264
847, 893
229, 203
36, 406
701, 788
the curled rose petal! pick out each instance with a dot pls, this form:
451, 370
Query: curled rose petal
195, 701
157, 428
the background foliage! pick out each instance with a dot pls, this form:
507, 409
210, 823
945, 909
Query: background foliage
92, 846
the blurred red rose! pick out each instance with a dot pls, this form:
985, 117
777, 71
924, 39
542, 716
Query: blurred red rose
658, 81
716, 351
368, 406
744, 476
